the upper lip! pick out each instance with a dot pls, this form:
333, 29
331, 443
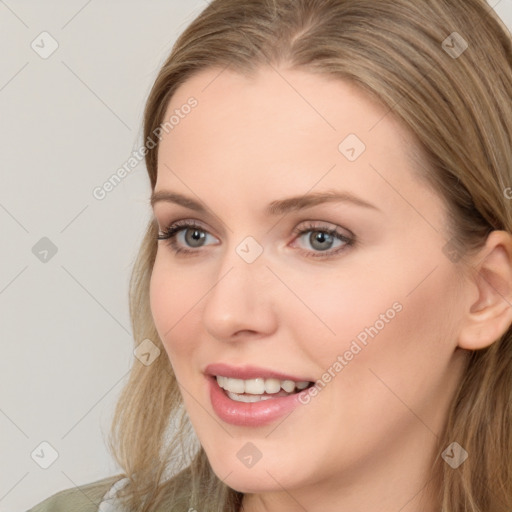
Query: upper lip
249, 372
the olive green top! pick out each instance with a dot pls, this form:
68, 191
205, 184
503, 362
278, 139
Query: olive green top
85, 498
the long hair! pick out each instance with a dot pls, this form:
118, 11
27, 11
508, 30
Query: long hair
411, 56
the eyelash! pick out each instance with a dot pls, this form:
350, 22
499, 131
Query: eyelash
169, 235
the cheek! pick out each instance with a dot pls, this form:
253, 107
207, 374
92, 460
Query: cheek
172, 299
398, 319
405, 360
331, 311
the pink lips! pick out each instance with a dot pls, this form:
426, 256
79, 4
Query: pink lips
254, 414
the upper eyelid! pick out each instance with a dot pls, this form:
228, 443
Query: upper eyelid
303, 213
317, 224
184, 223
323, 226
162, 215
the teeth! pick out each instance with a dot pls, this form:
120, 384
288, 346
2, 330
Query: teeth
272, 386
247, 398
252, 386
259, 386
288, 385
235, 385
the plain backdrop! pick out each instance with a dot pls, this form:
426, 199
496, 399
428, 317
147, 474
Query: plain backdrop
74, 77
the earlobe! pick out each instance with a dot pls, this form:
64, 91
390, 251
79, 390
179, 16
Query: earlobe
489, 317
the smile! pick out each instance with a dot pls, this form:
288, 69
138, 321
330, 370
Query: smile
255, 390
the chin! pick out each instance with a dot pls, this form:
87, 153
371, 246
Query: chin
264, 476
252, 483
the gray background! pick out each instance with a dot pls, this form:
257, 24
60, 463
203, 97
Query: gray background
68, 122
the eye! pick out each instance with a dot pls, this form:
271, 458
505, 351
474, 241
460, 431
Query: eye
187, 236
322, 239
183, 234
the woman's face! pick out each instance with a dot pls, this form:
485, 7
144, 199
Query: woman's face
355, 293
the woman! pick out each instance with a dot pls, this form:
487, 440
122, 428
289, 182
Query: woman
321, 303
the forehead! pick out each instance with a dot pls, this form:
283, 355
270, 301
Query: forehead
283, 129
282, 102
267, 92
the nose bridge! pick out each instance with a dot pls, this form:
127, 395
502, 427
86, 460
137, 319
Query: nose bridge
240, 298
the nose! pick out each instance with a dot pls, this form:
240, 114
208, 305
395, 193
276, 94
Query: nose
241, 302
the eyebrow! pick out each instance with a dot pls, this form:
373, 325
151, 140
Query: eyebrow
277, 207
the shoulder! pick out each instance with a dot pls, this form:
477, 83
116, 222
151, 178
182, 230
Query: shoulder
84, 498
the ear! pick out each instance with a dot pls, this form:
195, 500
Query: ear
489, 317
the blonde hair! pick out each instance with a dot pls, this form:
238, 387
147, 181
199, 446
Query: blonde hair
459, 110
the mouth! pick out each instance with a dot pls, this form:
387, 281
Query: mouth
252, 396
259, 388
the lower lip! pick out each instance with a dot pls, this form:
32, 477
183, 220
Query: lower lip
254, 414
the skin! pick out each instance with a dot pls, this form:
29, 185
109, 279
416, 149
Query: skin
365, 442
